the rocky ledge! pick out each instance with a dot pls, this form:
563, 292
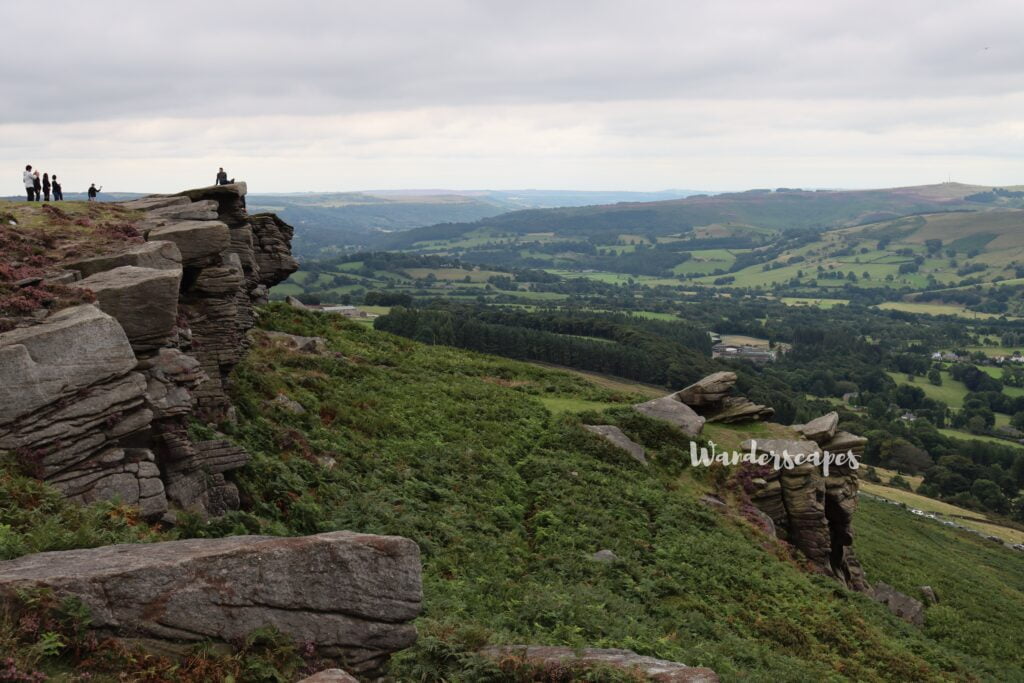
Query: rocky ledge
350, 595
96, 398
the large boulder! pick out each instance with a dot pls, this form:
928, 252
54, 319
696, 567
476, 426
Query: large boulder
143, 300
900, 604
707, 391
351, 595
159, 254
580, 661
200, 242
678, 414
734, 409
74, 349
615, 437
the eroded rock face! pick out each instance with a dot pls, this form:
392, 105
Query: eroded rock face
626, 661
352, 595
97, 398
900, 604
811, 511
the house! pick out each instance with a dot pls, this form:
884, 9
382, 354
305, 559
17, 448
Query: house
752, 353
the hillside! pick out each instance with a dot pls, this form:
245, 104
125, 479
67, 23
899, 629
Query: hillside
508, 502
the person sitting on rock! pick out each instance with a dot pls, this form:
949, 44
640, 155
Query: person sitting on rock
30, 183
58, 192
93, 191
222, 177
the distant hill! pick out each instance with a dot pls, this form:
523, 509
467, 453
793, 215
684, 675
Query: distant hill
327, 220
761, 210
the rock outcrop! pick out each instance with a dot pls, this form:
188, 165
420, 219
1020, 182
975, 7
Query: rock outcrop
813, 511
352, 595
711, 398
96, 398
545, 657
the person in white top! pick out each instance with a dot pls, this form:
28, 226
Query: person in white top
30, 183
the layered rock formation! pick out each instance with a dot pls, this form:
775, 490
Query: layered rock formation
352, 595
96, 398
711, 397
813, 511
615, 437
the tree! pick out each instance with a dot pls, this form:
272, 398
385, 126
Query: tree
990, 496
935, 377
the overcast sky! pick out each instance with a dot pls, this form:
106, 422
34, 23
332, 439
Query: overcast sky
337, 95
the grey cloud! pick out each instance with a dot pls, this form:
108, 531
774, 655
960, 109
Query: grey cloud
103, 59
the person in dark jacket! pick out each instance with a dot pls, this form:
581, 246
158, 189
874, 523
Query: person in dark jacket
46, 187
222, 177
93, 191
37, 184
58, 193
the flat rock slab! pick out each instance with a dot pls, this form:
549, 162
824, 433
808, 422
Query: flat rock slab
648, 668
668, 409
198, 241
614, 436
143, 300
74, 349
352, 595
330, 676
161, 255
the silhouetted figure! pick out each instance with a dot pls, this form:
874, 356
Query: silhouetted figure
46, 187
37, 184
58, 193
222, 177
30, 185
93, 191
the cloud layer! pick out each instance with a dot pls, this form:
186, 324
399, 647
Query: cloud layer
631, 95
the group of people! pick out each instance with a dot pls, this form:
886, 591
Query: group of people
34, 186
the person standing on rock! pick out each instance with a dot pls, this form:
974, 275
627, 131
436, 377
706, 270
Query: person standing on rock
46, 187
222, 177
37, 184
30, 185
93, 191
58, 193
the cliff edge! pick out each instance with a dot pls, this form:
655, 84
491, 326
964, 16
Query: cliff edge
119, 331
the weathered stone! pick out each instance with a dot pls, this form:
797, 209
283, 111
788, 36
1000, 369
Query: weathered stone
129, 476
821, 429
352, 595
143, 300
842, 442
674, 412
930, 598
73, 349
604, 556
330, 676
708, 390
289, 405
295, 303
200, 242
614, 436
626, 661
900, 604
273, 241
157, 201
713, 502
160, 255
203, 210
296, 342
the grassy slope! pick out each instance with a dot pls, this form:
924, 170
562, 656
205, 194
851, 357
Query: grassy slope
457, 451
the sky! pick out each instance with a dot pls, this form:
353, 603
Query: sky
630, 95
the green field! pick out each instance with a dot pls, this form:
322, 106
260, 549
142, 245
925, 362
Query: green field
951, 392
935, 309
